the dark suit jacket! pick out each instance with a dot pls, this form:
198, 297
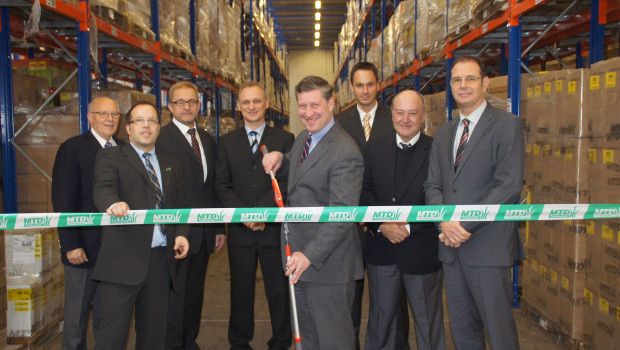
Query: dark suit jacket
200, 192
72, 192
417, 254
330, 176
120, 176
490, 172
350, 120
241, 181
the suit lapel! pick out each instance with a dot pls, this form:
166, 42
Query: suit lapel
355, 119
419, 155
181, 141
165, 169
134, 160
483, 124
381, 120
388, 163
317, 153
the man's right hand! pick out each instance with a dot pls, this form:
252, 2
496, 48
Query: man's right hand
395, 232
453, 233
255, 226
118, 209
272, 161
76, 256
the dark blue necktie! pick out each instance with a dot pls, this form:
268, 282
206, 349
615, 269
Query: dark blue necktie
108, 144
159, 197
254, 144
306, 149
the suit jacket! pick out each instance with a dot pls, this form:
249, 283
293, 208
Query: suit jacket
72, 192
241, 181
417, 254
331, 175
490, 172
120, 176
200, 192
381, 126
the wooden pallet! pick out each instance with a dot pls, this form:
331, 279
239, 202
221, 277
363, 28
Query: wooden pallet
171, 48
40, 338
111, 16
187, 55
139, 30
552, 329
461, 30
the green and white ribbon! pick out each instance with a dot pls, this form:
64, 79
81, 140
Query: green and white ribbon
429, 213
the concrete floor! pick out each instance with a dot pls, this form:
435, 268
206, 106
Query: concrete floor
214, 330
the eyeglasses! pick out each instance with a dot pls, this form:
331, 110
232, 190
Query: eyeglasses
468, 79
142, 122
105, 115
183, 103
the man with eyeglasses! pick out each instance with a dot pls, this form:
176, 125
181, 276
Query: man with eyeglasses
241, 182
194, 148
72, 191
137, 264
477, 158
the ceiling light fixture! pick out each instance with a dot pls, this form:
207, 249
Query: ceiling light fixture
317, 26
316, 43
317, 35
317, 16
317, 4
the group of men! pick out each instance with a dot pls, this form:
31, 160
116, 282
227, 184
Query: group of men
359, 158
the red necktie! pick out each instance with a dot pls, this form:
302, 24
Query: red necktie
462, 143
195, 147
306, 149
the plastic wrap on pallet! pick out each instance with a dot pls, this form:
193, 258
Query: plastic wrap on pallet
388, 50
459, 15
406, 32
374, 52
166, 21
181, 25
112, 4
138, 13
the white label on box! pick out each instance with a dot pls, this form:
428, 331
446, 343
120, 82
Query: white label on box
24, 247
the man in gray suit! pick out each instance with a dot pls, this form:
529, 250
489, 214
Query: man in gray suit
325, 168
477, 159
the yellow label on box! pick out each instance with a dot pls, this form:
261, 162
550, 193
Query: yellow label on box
608, 233
557, 151
608, 156
537, 90
65, 96
594, 82
568, 222
558, 86
37, 65
618, 313
603, 306
528, 149
568, 154
572, 87
592, 155
565, 283
547, 87
588, 297
554, 277
22, 308
37, 253
529, 92
543, 270
536, 149
534, 264
547, 149
610, 79
590, 227
19, 294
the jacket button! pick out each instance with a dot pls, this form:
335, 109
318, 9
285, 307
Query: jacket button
255, 167
393, 200
454, 190
255, 186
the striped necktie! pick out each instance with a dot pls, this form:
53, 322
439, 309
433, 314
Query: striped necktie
462, 143
159, 197
306, 149
254, 144
366, 126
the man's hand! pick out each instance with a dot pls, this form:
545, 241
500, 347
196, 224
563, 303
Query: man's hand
76, 256
118, 209
272, 161
181, 247
395, 232
297, 264
453, 234
255, 226
219, 241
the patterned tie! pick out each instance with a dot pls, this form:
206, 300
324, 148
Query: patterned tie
254, 144
159, 197
108, 144
462, 143
306, 149
404, 145
195, 147
366, 126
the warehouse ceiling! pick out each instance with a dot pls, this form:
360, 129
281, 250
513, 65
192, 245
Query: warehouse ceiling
297, 19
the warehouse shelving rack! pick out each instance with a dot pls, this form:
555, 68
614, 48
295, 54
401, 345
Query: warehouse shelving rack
69, 29
530, 24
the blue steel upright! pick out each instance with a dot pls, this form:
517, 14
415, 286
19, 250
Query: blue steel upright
83, 58
449, 99
597, 34
156, 90
9, 176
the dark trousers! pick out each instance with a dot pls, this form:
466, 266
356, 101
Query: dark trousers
80, 293
149, 299
194, 295
243, 262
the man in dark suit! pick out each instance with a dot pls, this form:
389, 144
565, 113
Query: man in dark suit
395, 168
194, 148
72, 191
241, 182
365, 121
325, 168
477, 158
137, 263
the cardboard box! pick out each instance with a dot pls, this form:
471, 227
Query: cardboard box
24, 315
27, 252
571, 304
604, 90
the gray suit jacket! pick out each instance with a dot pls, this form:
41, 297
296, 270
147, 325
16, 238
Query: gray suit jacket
330, 176
490, 172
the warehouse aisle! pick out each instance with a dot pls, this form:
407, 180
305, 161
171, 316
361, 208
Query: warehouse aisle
214, 330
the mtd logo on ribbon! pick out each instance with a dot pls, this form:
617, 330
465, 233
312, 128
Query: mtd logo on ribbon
602, 213
211, 215
432, 214
521, 214
37, 221
301, 214
563, 212
342, 214
475, 213
173, 217
80, 220
251, 215
381, 214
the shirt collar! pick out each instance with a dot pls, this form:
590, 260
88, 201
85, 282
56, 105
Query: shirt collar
316, 137
101, 140
371, 112
140, 152
259, 131
411, 142
184, 128
474, 116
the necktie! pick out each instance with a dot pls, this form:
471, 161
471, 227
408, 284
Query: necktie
462, 143
108, 144
159, 197
306, 149
366, 126
254, 144
195, 147
404, 145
